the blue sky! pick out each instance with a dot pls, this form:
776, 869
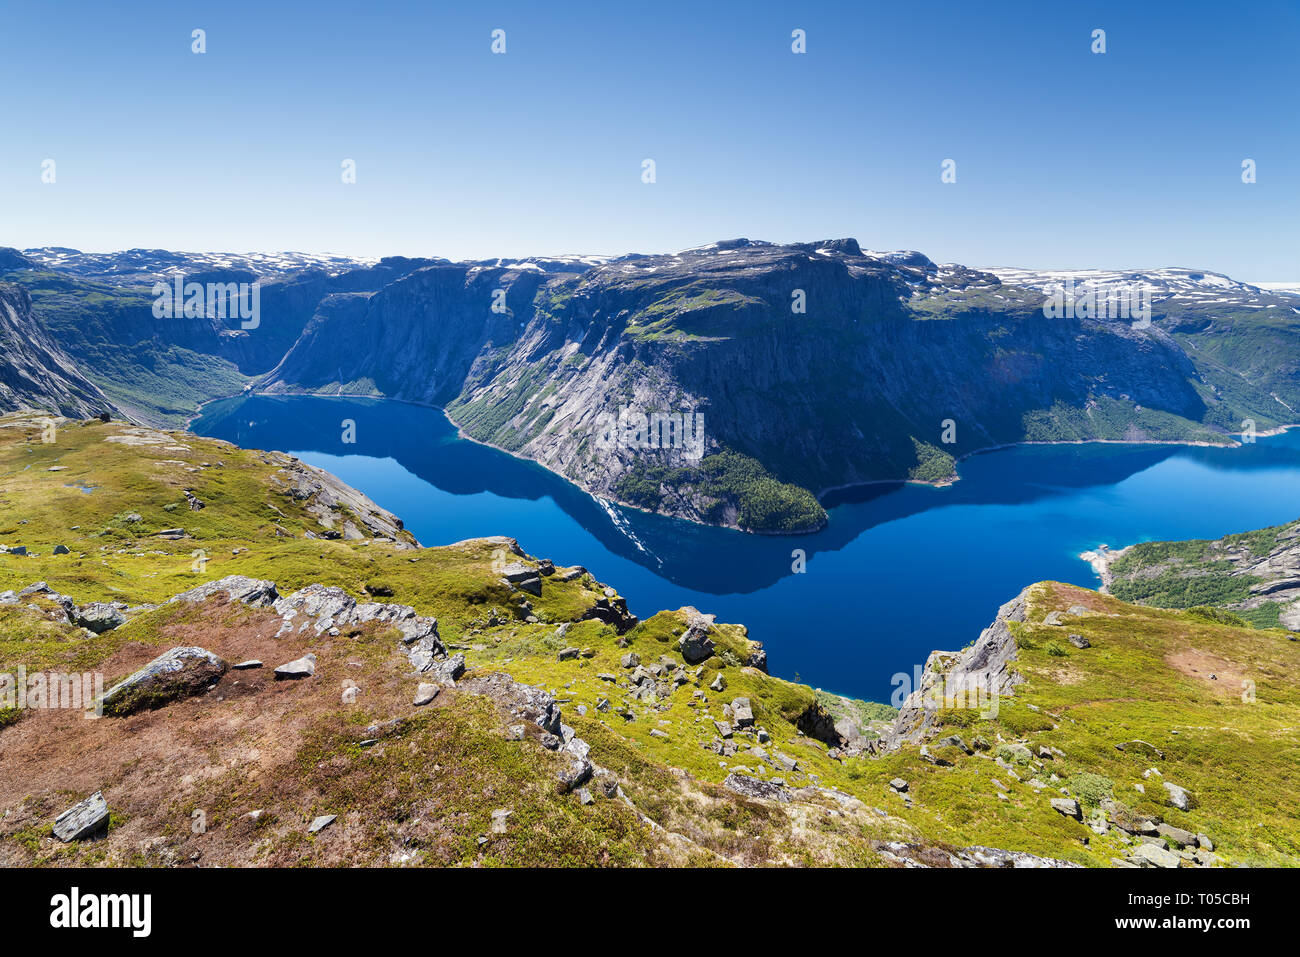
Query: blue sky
1064, 157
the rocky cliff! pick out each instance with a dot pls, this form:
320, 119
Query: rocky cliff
732, 384
811, 366
35, 373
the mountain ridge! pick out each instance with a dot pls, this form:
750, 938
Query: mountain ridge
895, 369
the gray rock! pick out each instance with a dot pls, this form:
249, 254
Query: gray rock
1067, 806
425, 693
178, 673
245, 665
952, 741
719, 683
1080, 642
83, 819
248, 591
696, 645
898, 784
1153, 856
1203, 841
630, 660
61, 550
752, 787
741, 713
568, 653
99, 617
520, 575
1178, 797
322, 822
1176, 835
303, 667
449, 671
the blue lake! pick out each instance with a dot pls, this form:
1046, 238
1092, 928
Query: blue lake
899, 571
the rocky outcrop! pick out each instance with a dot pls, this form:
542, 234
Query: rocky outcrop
178, 673
35, 373
341, 510
841, 393
971, 678
255, 592
906, 854
84, 819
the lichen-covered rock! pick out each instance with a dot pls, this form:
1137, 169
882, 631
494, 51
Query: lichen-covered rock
756, 788
248, 591
83, 819
178, 673
303, 667
99, 617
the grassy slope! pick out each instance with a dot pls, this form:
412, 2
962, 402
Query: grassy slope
430, 790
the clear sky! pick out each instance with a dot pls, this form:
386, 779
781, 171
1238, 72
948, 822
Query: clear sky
1063, 157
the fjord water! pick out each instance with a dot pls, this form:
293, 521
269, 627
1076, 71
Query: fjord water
899, 571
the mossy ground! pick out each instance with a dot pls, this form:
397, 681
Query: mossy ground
424, 794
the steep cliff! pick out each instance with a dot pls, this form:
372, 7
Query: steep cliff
807, 366
34, 372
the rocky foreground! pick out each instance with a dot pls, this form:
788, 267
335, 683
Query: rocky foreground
310, 694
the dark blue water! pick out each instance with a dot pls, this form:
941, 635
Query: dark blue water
900, 570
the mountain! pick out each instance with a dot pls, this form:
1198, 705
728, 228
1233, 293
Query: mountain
283, 663
100, 308
34, 372
862, 386
766, 374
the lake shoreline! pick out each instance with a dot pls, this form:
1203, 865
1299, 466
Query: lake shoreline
945, 483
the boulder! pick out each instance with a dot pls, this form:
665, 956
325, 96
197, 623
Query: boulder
1178, 797
425, 693
1067, 806
756, 788
178, 673
741, 713
1080, 642
322, 822
248, 591
99, 617
303, 667
522, 576
1138, 746
83, 819
696, 645
1151, 855
448, 672
1176, 835
719, 683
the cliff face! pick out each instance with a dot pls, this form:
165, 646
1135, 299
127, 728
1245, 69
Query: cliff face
34, 372
813, 366
730, 384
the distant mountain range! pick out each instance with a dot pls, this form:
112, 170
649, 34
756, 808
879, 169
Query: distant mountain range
813, 365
